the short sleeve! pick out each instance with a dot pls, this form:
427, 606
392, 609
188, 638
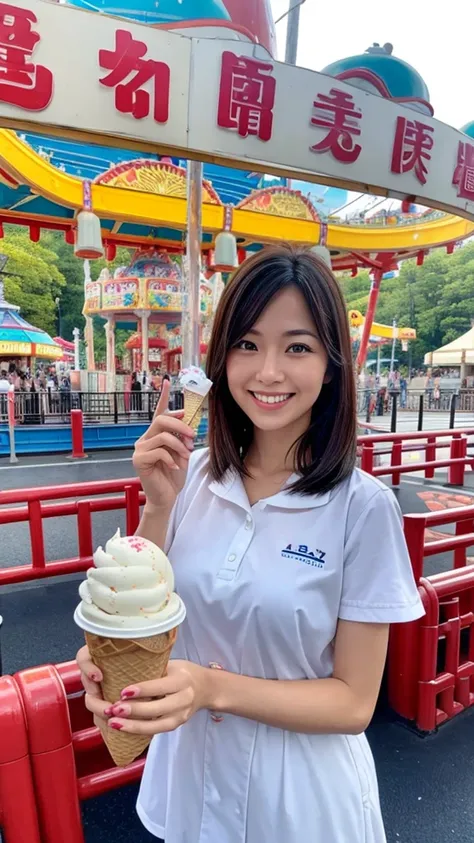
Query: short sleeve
378, 583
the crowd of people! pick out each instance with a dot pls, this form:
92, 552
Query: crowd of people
43, 386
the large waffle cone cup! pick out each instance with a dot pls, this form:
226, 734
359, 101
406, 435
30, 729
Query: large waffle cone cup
125, 662
193, 407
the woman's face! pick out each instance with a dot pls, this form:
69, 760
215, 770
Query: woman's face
277, 370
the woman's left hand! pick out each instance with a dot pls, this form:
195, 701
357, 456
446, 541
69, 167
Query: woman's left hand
161, 705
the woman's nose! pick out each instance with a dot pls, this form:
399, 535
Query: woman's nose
270, 371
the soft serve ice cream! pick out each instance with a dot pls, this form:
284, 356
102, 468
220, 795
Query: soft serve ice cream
131, 586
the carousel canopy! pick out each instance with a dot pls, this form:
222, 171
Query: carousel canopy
460, 350
20, 339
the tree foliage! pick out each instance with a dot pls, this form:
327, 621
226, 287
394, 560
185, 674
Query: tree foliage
33, 279
39, 273
437, 299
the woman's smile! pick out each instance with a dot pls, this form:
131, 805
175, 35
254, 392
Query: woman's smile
271, 400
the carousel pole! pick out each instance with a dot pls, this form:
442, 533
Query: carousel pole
369, 318
191, 311
77, 336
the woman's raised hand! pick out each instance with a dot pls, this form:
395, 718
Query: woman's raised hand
162, 454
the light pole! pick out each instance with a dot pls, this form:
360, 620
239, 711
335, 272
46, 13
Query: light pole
57, 302
293, 15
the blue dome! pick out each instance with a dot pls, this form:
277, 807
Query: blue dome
159, 11
468, 129
378, 71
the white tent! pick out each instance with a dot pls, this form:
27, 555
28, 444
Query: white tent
455, 353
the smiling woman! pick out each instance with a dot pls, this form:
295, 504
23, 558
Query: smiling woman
291, 564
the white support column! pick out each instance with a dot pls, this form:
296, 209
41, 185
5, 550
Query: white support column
145, 341
77, 335
89, 339
110, 349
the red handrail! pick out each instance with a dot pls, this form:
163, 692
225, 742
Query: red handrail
18, 812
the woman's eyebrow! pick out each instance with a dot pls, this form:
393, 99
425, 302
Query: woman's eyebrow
301, 332
295, 332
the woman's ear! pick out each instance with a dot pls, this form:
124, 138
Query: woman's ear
328, 376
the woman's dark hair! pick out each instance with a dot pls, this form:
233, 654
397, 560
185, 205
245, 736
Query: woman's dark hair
326, 452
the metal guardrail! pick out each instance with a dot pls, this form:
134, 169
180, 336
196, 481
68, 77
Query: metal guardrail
33, 408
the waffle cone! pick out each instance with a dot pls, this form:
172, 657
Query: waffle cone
125, 662
193, 406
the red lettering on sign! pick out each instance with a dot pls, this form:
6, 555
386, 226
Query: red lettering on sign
412, 147
338, 114
130, 98
246, 96
22, 83
463, 177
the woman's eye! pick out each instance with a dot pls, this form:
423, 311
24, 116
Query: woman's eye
298, 348
246, 345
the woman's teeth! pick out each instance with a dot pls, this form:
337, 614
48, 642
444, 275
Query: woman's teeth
271, 399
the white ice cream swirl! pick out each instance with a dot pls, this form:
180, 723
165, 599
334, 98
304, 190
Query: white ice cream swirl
131, 586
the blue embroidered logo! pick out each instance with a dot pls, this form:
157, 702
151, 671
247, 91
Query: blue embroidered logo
302, 553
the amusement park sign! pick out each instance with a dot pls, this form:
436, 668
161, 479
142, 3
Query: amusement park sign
81, 74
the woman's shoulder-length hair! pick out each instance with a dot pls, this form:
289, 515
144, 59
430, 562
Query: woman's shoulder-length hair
325, 454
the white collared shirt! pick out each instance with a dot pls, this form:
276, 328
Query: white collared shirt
264, 586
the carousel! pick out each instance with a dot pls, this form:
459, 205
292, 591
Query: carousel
21, 344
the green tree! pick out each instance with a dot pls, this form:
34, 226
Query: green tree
33, 279
437, 299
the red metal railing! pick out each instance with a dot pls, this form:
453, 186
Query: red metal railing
18, 810
419, 689
67, 753
79, 499
430, 442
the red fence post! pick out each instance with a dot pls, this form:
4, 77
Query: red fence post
396, 459
405, 639
132, 505
367, 459
430, 452
52, 757
18, 812
77, 435
458, 451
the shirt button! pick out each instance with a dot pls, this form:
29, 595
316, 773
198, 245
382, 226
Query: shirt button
232, 557
248, 522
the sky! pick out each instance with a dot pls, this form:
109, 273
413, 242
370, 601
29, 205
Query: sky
439, 45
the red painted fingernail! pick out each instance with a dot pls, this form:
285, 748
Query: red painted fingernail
94, 677
117, 726
108, 711
129, 693
119, 709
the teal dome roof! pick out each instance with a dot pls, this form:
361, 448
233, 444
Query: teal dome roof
378, 71
158, 11
468, 129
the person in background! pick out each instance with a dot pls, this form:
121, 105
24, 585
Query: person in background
4, 387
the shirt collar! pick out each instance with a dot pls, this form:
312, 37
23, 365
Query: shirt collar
231, 489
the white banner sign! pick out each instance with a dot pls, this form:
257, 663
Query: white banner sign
79, 72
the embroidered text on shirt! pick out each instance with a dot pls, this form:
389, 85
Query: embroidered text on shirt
302, 553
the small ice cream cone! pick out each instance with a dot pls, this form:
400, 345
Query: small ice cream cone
193, 407
196, 389
125, 662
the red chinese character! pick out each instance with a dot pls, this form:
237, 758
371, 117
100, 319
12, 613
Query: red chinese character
247, 96
337, 113
464, 173
413, 143
22, 83
128, 59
